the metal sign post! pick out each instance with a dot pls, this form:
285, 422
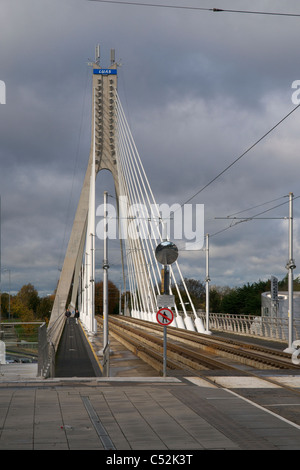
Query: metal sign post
165, 317
166, 253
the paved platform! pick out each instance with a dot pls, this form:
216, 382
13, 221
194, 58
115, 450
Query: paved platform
135, 410
121, 414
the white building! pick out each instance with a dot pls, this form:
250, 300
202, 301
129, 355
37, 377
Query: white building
279, 308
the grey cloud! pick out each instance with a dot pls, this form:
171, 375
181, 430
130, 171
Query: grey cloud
197, 90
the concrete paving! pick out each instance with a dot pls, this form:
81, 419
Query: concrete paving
136, 410
135, 413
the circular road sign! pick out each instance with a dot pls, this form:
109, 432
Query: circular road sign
165, 316
166, 253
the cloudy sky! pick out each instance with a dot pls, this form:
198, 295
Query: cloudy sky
198, 89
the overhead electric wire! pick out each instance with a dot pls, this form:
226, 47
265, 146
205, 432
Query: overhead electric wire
242, 155
255, 207
236, 221
186, 7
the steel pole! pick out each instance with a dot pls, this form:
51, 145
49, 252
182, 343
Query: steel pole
207, 280
0, 268
92, 211
166, 292
291, 266
105, 277
165, 353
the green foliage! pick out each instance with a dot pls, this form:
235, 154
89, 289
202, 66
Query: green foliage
28, 296
44, 308
196, 290
113, 298
5, 305
244, 300
26, 305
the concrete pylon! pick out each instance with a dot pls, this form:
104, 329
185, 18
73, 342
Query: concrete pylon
103, 150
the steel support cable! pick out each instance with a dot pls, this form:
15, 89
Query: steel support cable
179, 292
131, 240
135, 196
139, 196
153, 203
144, 229
134, 237
148, 247
129, 259
141, 171
149, 258
157, 270
123, 212
143, 256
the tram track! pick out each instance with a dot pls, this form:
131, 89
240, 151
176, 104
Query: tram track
193, 351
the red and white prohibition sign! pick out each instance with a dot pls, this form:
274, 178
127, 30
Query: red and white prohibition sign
165, 316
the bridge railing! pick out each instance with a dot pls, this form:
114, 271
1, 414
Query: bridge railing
251, 325
48, 343
248, 325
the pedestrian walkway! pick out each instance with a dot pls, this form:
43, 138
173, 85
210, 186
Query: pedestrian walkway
186, 415
75, 357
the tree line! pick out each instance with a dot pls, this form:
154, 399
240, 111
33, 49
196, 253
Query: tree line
28, 306
244, 300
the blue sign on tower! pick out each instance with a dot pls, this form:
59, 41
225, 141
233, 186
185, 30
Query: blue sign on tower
105, 71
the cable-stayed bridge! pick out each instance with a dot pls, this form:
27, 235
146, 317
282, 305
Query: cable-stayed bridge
141, 227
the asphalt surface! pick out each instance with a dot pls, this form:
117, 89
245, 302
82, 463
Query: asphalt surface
74, 357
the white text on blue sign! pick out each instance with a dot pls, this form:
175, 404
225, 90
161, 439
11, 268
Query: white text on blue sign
105, 72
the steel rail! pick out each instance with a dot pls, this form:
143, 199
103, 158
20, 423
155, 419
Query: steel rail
240, 349
149, 336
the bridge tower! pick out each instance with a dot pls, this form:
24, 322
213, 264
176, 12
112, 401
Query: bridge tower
82, 238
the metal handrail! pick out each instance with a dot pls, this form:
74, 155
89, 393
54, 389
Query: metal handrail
267, 327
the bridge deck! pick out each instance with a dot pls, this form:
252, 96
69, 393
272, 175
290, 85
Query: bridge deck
74, 357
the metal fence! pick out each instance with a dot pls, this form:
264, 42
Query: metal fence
21, 340
250, 325
48, 344
33, 340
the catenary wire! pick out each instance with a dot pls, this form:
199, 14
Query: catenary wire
186, 7
242, 155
